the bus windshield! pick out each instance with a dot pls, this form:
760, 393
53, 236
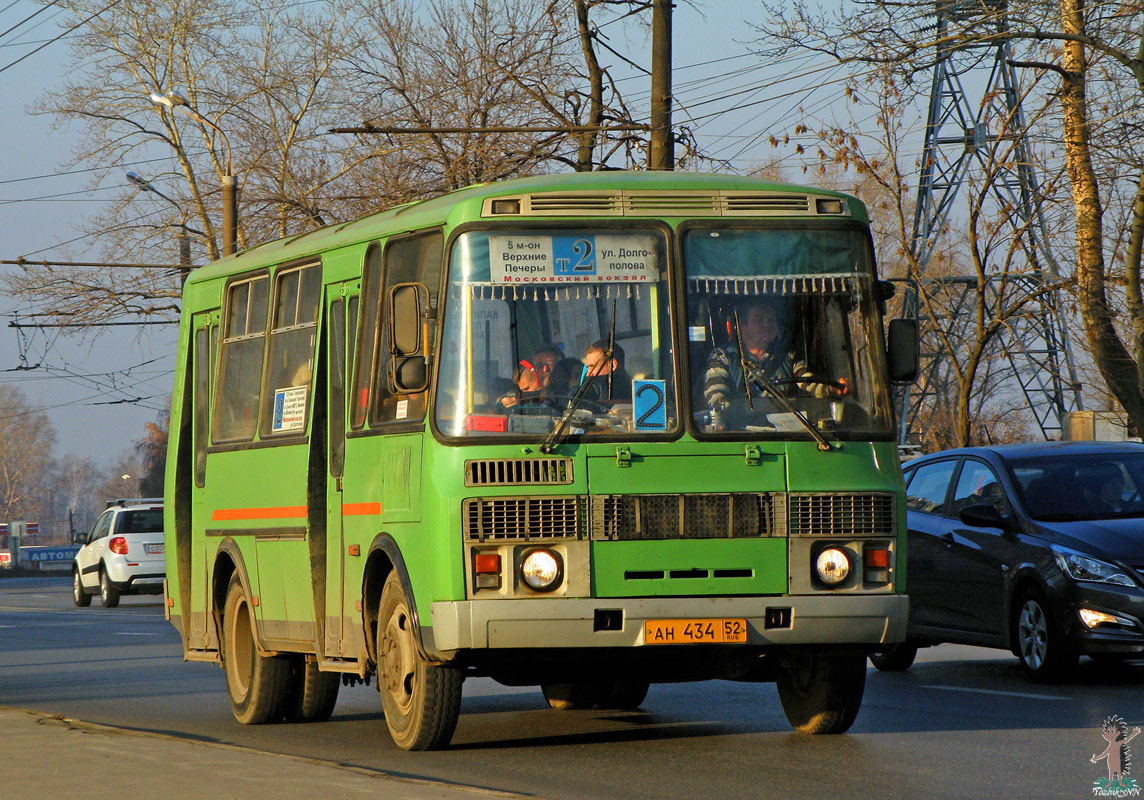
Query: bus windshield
548, 329
782, 332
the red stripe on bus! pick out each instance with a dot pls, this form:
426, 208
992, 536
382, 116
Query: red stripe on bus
280, 512
360, 509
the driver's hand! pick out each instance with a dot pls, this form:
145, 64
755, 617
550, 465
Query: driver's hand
508, 401
840, 391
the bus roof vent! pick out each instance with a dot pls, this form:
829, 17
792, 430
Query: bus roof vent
703, 204
518, 472
567, 203
759, 203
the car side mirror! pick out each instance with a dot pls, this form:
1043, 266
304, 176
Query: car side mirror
410, 335
78, 537
902, 350
984, 515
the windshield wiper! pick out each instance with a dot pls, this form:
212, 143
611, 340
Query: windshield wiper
578, 398
751, 373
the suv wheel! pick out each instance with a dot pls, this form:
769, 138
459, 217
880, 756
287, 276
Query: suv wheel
108, 594
81, 598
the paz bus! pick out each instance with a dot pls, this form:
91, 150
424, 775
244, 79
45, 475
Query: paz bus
474, 436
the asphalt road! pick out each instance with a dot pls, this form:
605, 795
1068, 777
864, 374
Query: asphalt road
962, 723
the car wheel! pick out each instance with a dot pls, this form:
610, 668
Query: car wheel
1041, 646
569, 696
258, 684
108, 594
421, 699
821, 693
314, 693
622, 694
81, 598
895, 658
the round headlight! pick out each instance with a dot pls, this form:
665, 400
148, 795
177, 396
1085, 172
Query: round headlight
541, 570
832, 566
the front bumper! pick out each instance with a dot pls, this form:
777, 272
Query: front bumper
1126, 603
573, 622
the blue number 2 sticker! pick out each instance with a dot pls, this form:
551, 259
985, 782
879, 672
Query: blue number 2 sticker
648, 405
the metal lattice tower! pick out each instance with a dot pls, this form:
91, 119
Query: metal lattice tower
960, 137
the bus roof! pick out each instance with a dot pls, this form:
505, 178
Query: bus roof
468, 203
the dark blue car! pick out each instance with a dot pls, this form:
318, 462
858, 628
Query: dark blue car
1034, 548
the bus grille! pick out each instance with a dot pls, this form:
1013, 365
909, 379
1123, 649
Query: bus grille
522, 518
518, 471
686, 516
841, 514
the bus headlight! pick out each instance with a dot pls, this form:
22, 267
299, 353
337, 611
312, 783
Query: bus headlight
832, 566
541, 569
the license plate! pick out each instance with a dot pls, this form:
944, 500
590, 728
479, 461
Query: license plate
695, 631
153, 549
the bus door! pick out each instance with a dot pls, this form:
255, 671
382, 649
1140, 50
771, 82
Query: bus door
341, 311
204, 346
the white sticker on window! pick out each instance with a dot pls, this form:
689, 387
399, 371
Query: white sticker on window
290, 409
586, 258
402, 409
696, 333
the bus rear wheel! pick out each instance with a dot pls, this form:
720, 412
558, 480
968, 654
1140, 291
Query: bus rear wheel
820, 692
421, 699
258, 684
313, 693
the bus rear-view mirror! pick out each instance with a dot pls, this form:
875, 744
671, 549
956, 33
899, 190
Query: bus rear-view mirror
902, 350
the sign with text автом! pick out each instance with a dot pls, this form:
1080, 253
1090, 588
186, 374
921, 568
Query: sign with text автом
582, 258
49, 557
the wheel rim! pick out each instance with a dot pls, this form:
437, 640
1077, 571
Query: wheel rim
398, 657
1033, 634
104, 586
77, 587
240, 650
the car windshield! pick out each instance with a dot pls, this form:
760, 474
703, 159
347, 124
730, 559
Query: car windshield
783, 323
144, 521
1073, 487
551, 332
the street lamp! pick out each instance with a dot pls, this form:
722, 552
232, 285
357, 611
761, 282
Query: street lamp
172, 100
184, 240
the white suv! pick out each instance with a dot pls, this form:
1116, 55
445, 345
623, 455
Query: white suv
123, 553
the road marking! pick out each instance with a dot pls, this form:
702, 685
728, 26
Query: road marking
135, 633
993, 691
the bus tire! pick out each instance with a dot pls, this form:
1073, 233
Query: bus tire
569, 696
81, 597
821, 693
313, 693
257, 684
421, 699
108, 594
621, 694
895, 658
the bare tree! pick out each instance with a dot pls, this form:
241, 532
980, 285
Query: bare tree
1079, 43
26, 442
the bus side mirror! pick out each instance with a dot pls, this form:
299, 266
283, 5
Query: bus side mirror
409, 335
902, 351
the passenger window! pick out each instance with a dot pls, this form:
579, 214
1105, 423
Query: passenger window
370, 327
102, 527
201, 400
236, 406
928, 487
978, 484
297, 294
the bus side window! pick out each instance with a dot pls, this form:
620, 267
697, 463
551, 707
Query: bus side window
367, 335
201, 401
236, 406
290, 371
337, 387
414, 259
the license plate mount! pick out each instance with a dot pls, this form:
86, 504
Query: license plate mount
695, 631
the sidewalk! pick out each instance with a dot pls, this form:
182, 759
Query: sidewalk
54, 757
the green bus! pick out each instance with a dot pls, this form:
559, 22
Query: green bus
586, 431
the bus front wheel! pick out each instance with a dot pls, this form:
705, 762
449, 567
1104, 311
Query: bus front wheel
821, 692
421, 699
258, 684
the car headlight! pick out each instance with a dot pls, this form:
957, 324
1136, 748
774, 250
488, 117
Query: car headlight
542, 569
832, 566
1086, 568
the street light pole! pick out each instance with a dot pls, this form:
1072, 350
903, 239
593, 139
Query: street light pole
172, 100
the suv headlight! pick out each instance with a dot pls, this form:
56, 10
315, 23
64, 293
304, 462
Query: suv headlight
1086, 568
